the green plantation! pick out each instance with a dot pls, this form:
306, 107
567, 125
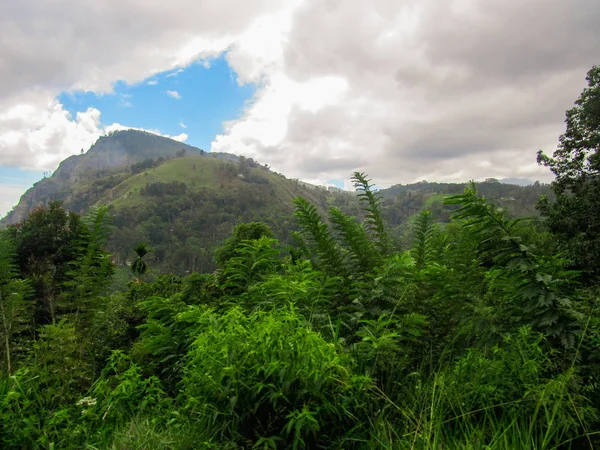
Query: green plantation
467, 329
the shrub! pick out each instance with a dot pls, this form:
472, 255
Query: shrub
268, 379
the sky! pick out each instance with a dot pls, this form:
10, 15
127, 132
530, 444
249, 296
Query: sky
438, 90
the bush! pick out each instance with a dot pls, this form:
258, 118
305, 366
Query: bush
268, 379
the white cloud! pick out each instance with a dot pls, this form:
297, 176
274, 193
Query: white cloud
9, 197
47, 50
125, 100
37, 133
118, 127
152, 82
174, 94
182, 137
182, 125
413, 90
29, 128
403, 90
175, 73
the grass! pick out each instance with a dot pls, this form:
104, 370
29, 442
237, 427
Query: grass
200, 172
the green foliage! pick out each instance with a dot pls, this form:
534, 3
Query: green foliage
121, 394
139, 266
373, 216
47, 243
511, 381
423, 239
361, 250
15, 308
533, 286
91, 273
324, 251
242, 232
112, 326
15, 322
60, 363
384, 346
164, 339
301, 286
268, 377
479, 336
574, 217
257, 259
162, 189
35, 401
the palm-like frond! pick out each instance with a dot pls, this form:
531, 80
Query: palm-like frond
325, 252
361, 250
534, 283
372, 207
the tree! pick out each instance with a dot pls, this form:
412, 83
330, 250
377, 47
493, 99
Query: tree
574, 217
139, 267
242, 232
47, 243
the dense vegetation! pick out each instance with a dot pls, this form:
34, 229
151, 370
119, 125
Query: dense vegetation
483, 332
184, 202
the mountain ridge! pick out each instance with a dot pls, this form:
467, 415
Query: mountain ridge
110, 153
183, 201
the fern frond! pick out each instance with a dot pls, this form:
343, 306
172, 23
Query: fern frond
362, 250
98, 223
372, 207
534, 282
325, 253
423, 240
257, 258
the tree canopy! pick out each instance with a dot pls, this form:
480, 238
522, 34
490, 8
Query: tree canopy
574, 217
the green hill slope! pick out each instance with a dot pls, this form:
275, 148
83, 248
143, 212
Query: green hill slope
184, 202
186, 206
80, 179
180, 200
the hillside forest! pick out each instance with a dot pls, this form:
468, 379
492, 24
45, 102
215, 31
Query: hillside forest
455, 323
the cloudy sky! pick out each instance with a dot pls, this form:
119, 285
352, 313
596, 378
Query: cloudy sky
402, 89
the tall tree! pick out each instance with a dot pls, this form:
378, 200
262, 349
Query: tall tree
47, 243
575, 214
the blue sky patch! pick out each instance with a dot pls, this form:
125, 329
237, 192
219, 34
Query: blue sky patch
195, 100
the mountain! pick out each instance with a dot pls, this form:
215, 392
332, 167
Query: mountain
178, 198
184, 202
403, 202
106, 162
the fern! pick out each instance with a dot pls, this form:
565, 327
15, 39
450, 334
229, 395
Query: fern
326, 254
533, 284
361, 249
15, 309
257, 259
423, 241
372, 208
93, 270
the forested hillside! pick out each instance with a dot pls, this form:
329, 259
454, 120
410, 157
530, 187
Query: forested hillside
480, 331
184, 202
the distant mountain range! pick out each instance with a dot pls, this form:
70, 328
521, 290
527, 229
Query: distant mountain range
184, 201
